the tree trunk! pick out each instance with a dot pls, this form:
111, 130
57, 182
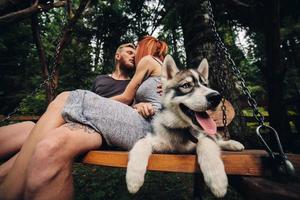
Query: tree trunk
174, 44
97, 52
200, 43
41, 52
275, 73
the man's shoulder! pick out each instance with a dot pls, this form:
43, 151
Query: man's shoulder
102, 76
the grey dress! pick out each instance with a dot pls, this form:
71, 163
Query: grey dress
119, 124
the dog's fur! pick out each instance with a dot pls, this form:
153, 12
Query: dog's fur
172, 125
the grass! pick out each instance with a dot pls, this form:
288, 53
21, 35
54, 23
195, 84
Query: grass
95, 182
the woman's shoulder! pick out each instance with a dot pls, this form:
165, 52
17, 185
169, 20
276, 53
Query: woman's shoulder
149, 59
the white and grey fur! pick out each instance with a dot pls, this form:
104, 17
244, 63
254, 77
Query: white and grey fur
187, 87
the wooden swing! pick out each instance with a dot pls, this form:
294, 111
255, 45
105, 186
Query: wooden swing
246, 168
247, 162
186, 163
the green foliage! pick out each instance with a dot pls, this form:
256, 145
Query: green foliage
16, 67
249, 112
33, 105
95, 182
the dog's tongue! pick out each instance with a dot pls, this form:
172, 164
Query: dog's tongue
207, 123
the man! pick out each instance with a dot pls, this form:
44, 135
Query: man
38, 181
115, 83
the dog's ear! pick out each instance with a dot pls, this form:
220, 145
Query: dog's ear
203, 68
169, 68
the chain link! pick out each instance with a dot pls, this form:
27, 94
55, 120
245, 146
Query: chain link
222, 50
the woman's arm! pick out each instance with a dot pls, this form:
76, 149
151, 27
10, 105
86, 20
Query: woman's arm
143, 70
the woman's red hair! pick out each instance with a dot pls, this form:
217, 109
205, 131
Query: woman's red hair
149, 45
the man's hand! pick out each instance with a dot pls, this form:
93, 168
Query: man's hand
144, 109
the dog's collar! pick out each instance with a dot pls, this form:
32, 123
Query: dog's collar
186, 132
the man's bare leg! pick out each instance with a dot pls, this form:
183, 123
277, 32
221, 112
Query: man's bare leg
49, 174
13, 136
51, 119
6, 167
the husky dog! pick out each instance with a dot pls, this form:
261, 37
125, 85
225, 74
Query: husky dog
184, 126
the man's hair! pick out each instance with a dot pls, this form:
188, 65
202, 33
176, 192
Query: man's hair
125, 45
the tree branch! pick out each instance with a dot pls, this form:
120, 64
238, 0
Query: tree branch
69, 9
239, 3
67, 32
157, 21
42, 57
35, 8
37, 39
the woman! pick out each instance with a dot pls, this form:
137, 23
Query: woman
43, 166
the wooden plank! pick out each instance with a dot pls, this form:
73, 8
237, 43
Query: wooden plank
248, 162
21, 118
217, 115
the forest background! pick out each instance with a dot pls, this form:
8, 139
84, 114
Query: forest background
262, 37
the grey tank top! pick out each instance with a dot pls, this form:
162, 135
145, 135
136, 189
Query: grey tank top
147, 92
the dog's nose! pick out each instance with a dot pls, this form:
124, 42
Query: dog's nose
213, 99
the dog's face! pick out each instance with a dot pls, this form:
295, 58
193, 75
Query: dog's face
186, 94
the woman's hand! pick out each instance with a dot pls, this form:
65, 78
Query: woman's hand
144, 109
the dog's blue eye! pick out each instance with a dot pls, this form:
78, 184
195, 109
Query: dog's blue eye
186, 85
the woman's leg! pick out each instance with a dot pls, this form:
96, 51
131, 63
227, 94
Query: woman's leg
50, 120
12, 137
49, 174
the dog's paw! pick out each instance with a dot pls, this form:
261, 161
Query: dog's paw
134, 181
218, 183
236, 146
215, 176
231, 145
219, 187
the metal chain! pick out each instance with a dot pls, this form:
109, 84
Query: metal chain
281, 165
48, 80
222, 50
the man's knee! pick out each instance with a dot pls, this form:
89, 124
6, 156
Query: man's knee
52, 147
26, 129
59, 101
28, 124
48, 160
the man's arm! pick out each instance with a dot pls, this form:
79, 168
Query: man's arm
143, 69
